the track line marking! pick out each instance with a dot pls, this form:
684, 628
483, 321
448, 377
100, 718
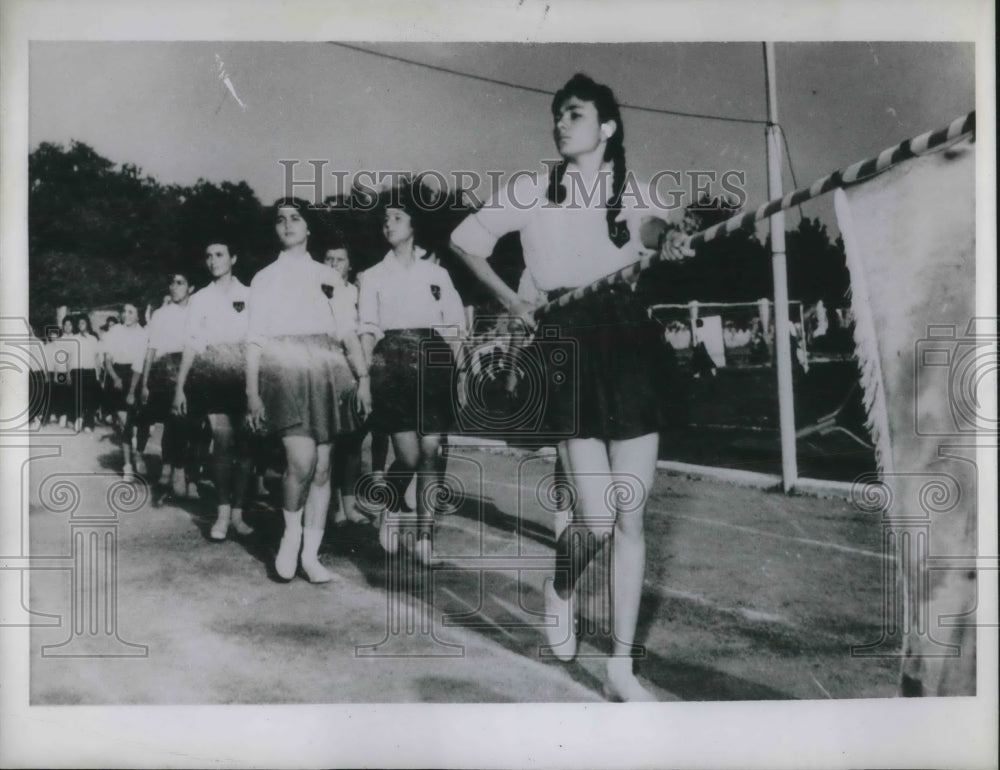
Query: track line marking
742, 528
775, 535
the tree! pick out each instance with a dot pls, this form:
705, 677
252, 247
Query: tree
99, 234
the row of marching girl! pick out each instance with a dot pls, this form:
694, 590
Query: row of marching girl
300, 386
412, 323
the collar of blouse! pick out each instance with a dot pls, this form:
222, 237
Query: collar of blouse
418, 256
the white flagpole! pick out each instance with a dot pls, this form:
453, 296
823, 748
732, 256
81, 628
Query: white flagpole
782, 328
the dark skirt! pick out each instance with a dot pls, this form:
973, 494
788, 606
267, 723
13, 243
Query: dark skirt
412, 381
162, 384
115, 398
216, 383
607, 366
307, 388
87, 394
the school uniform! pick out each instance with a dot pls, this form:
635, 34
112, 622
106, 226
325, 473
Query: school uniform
609, 383
61, 359
85, 374
408, 309
299, 311
217, 323
125, 347
166, 338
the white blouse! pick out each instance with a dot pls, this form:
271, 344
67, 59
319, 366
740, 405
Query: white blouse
295, 295
217, 315
565, 245
166, 329
124, 345
420, 295
89, 349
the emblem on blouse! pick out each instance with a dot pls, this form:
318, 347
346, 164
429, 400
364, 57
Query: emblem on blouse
436, 291
238, 306
327, 290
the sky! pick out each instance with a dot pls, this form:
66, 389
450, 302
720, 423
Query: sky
163, 106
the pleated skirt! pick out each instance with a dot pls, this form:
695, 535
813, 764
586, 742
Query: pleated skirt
412, 381
307, 388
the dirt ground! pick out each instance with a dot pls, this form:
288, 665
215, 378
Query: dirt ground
749, 595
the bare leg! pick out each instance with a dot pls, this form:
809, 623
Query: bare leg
427, 476
407, 449
633, 465
222, 473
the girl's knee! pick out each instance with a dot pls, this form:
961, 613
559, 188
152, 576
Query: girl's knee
321, 477
630, 525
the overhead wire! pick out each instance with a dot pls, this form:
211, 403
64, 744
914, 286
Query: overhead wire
533, 89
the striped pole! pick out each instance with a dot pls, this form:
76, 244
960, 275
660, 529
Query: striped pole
911, 148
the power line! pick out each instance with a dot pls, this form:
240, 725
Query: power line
791, 168
532, 89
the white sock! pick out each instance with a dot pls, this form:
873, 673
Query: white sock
316, 572
291, 541
238, 524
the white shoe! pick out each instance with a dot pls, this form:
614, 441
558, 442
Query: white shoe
410, 496
62, 421
288, 552
127, 476
315, 571
220, 529
241, 527
562, 635
387, 538
423, 550
140, 465
622, 685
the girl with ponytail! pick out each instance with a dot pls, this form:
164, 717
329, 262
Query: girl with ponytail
603, 403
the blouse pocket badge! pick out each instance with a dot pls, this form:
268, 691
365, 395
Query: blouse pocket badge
239, 306
436, 291
327, 290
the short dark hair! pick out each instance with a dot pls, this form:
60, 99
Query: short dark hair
305, 209
223, 240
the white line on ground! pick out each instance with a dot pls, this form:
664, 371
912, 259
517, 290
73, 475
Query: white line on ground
742, 528
756, 615
803, 540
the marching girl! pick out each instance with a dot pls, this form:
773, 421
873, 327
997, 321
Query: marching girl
65, 362
124, 352
299, 385
211, 383
347, 451
407, 307
609, 405
159, 380
87, 372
